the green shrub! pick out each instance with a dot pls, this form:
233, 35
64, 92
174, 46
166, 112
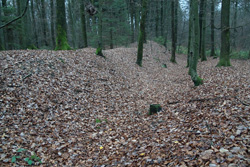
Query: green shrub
159, 40
240, 55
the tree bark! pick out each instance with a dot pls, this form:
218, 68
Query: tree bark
72, 23
1, 31
61, 27
157, 19
174, 7
83, 21
52, 24
235, 24
212, 53
225, 35
194, 50
44, 24
189, 34
8, 31
203, 31
142, 33
132, 13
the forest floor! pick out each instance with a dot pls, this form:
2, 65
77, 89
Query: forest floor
73, 108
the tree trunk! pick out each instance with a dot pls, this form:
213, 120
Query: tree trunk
34, 24
174, 6
8, 31
157, 19
225, 35
212, 53
141, 33
111, 35
132, 21
44, 24
190, 31
203, 32
1, 31
194, 49
162, 19
83, 21
61, 27
72, 23
235, 24
20, 24
52, 24
100, 24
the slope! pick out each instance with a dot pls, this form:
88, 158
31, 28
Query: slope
77, 109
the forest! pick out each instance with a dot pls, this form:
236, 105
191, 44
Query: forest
125, 83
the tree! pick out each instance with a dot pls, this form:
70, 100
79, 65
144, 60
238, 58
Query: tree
142, 33
174, 15
83, 24
235, 23
202, 18
44, 23
212, 53
99, 48
1, 31
61, 34
52, 23
8, 31
194, 43
225, 35
132, 13
34, 22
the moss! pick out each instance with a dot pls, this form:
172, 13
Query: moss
1, 47
99, 52
154, 108
198, 81
61, 40
195, 78
224, 63
32, 47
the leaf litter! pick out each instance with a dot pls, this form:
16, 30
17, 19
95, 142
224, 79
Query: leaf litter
73, 108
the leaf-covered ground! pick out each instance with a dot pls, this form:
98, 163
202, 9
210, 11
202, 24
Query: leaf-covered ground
73, 108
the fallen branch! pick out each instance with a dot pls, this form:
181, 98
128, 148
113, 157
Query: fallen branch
201, 100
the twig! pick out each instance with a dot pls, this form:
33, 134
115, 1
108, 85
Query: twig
242, 102
201, 100
29, 75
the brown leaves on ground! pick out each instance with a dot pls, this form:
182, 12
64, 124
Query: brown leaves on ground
77, 109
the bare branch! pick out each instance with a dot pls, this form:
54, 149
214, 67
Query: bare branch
17, 18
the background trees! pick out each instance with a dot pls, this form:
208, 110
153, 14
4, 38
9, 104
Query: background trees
120, 24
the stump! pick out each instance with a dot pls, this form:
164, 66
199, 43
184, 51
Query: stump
154, 108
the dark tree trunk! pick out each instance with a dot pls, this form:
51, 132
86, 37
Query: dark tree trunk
203, 32
8, 31
162, 19
194, 50
141, 33
225, 35
44, 24
157, 19
132, 13
174, 7
111, 36
61, 27
190, 34
235, 24
212, 53
1, 31
52, 24
83, 21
